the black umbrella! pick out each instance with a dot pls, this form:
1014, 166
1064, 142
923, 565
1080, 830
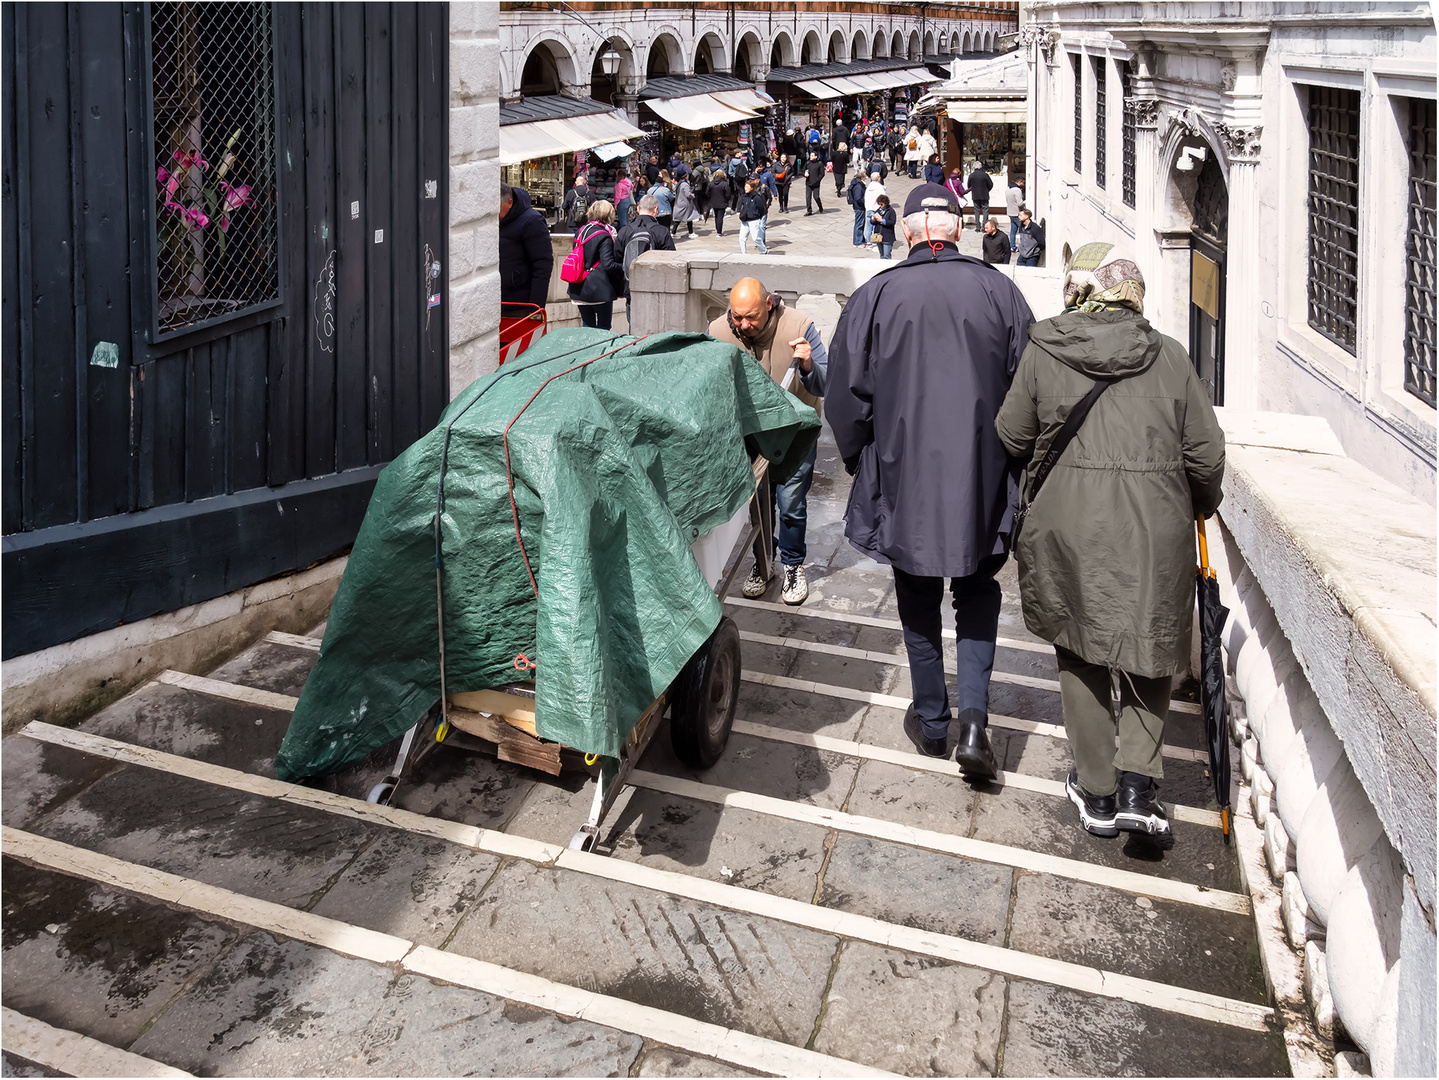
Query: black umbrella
1212, 616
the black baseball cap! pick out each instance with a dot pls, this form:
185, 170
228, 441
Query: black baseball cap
931, 197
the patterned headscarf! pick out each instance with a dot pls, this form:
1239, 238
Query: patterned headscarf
1100, 278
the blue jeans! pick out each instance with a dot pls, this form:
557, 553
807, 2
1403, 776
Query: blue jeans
791, 512
759, 237
976, 623
622, 212
860, 220
886, 248
1013, 231
752, 228
1028, 260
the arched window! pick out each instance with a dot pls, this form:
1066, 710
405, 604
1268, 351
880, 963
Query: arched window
540, 75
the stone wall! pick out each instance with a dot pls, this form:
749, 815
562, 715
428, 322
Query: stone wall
474, 276
1330, 659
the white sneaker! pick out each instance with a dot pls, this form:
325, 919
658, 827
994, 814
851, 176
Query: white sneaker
796, 588
755, 584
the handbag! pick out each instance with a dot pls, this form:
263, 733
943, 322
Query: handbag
1061, 442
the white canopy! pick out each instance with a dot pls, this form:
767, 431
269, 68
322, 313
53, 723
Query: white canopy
546, 138
613, 150
743, 99
695, 112
821, 89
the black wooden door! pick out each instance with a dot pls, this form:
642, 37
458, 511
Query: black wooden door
222, 281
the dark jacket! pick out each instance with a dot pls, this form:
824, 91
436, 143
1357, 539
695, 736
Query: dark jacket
660, 240
754, 205
719, 192
980, 185
526, 257
855, 193
577, 192
1107, 554
920, 362
813, 172
606, 279
652, 172
934, 173
884, 227
840, 160
996, 248
1029, 240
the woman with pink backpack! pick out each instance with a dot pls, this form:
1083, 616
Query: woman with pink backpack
593, 268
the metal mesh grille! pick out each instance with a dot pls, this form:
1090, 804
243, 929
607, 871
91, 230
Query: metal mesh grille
1127, 125
1334, 213
216, 215
1100, 121
1078, 113
1419, 293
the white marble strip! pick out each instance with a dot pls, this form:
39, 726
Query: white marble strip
234, 691
70, 1053
826, 920
693, 1036
902, 660
299, 641
944, 766
893, 832
890, 701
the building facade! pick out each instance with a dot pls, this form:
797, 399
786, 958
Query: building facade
1269, 163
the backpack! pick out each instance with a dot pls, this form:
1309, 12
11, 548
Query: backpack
579, 208
573, 269
741, 172
636, 246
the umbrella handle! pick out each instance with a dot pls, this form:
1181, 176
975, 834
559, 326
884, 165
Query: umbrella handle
1203, 549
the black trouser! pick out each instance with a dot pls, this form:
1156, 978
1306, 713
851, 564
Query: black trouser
811, 192
719, 220
839, 182
675, 230
600, 316
667, 220
783, 197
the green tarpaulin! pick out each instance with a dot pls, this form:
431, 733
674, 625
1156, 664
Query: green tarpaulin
616, 467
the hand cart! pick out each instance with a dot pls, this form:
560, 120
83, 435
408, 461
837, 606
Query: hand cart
701, 700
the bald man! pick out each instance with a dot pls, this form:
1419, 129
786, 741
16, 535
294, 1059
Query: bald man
777, 336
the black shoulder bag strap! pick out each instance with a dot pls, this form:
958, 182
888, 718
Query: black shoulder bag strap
1061, 442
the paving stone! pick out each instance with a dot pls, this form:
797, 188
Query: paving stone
255, 846
912, 1015
37, 777
913, 887
1162, 940
268, 665
465, 785
99, 962
15, 1065
198, 726
662, 1061
720, 843
829, 670
557, 806
723, 967
785, 624
799, 710
922, 799
1034, 755
412, 886
764, 767
1038, 822
432, 1029
272, 1007
1051, 1031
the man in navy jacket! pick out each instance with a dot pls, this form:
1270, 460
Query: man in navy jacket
526, 257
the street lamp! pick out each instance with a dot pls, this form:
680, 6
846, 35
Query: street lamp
610, 61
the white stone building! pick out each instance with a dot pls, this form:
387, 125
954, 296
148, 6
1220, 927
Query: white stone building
1272, 168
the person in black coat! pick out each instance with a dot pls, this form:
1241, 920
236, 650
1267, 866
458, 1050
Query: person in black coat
526, 257
980, 185
840, 160
995, 245
813, 174
595, 296
720, 197
934, 491
643, 233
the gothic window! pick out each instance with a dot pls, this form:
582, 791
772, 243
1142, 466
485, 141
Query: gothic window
213, 135
1078, 112
1333, 286
1419, 291
1099, 120
1126, 128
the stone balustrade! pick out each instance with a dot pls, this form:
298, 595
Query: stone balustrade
1329, 573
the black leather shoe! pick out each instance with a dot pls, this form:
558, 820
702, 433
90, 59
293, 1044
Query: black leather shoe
1096, 812
922, 742
1139, 809
976, 759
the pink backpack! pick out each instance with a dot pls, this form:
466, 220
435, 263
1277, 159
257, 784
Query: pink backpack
573, 268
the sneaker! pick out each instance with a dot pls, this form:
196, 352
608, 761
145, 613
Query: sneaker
1139, 809
973, 753
1096, 812
796, 587
755, 584
922, 742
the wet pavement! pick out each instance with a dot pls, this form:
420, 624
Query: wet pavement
820, 902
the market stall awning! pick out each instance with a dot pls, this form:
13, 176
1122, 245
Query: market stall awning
987, 112
744, 99
522, 139
613, 150
847, 85
697, 111
915, 76
818, 88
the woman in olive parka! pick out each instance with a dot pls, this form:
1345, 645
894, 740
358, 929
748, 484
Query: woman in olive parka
1107, 551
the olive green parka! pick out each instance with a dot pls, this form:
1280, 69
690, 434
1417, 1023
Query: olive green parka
1107, 554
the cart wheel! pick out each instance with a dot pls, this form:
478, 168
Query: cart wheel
584, 840
381, 793
704, 699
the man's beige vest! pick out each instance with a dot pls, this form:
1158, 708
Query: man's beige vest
771, 345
